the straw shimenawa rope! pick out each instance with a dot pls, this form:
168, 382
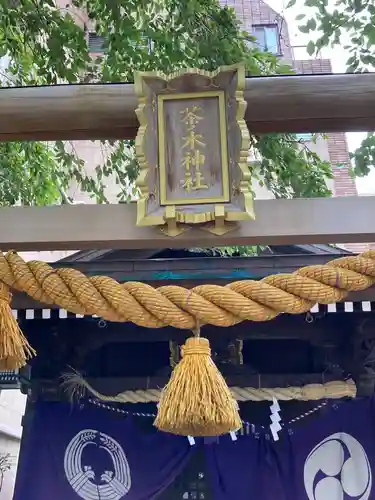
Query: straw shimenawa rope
176, 306
172, 305
76, 385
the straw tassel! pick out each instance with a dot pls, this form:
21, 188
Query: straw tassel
14, 347
197, 401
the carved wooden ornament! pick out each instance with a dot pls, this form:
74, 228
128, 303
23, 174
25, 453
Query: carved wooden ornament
192, 146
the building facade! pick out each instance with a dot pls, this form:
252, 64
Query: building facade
272, 34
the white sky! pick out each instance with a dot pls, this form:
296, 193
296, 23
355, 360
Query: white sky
338, 57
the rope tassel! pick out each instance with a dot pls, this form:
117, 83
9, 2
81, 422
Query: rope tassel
14, 347
197, 401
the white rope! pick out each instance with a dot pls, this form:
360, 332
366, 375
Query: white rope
246, 429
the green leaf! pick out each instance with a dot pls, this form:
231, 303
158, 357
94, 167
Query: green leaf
353, 67
304, 29
311, 23
310, 48
291, 3
371, 34
358, 5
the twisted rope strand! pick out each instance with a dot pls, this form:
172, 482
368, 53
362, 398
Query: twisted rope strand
176, 306
75, 385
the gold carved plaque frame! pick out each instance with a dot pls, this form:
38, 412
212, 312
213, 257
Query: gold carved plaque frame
234, 202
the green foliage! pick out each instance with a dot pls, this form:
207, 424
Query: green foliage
364, 156
47, 46
290, 169
236, 251
350, 24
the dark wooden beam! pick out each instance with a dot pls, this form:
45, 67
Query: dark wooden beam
196, 269
88, 335
299, 103
278, 222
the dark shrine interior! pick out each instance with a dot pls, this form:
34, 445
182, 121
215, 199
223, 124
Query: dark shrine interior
291, 350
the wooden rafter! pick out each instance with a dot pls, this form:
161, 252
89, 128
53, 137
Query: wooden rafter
300, 103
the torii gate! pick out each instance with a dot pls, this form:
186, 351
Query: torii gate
274, 104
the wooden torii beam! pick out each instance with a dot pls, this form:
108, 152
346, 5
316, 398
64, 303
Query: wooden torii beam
278, 222
322, 103
300, 103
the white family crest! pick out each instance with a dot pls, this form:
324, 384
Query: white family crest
111, 485
338, 468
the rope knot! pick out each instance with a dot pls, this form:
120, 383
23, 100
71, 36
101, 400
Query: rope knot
4, 293
196, 345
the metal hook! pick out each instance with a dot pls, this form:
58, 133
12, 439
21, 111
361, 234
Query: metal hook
309, 318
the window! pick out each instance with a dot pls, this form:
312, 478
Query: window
144, 43
96, 43
267, 36
304, 137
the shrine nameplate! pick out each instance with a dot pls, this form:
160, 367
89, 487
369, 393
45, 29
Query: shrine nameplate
192, 147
